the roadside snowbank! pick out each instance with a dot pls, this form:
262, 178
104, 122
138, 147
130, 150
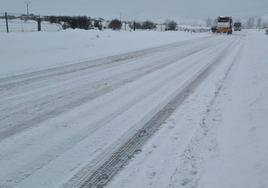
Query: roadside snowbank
23, 52
242, 132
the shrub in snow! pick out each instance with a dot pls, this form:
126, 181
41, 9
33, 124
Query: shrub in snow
136, 25
148, 25
97, 24
53, 19
171, 25
115, 24
80, 22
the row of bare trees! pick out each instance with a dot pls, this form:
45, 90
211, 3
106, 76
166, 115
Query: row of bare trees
146, 25
84, 22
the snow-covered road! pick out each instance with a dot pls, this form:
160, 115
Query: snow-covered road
218, 136
60, 125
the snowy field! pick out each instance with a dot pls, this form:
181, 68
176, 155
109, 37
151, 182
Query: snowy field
38, 50
133, 109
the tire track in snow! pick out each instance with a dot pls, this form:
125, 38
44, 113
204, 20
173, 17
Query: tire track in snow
187, 174
100, 176
32, 167
22, 79
29, 112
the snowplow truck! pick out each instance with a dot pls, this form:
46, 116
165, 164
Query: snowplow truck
224, 24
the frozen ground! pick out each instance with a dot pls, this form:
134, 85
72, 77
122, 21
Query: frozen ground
166, 115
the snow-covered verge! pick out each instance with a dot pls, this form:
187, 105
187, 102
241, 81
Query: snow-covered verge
242, 132
218, 137
21, 52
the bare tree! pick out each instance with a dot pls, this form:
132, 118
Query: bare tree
259, 23
250, 23
209, 22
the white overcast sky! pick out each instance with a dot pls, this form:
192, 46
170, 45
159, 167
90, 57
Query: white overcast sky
141, 9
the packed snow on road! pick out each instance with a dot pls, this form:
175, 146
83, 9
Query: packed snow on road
133, 109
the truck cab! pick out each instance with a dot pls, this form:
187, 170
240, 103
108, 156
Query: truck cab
224, 24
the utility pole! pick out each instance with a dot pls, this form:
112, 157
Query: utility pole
120, 17
6, 22
27, 7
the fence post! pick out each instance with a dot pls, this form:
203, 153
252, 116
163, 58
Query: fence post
39, 24
6, 22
